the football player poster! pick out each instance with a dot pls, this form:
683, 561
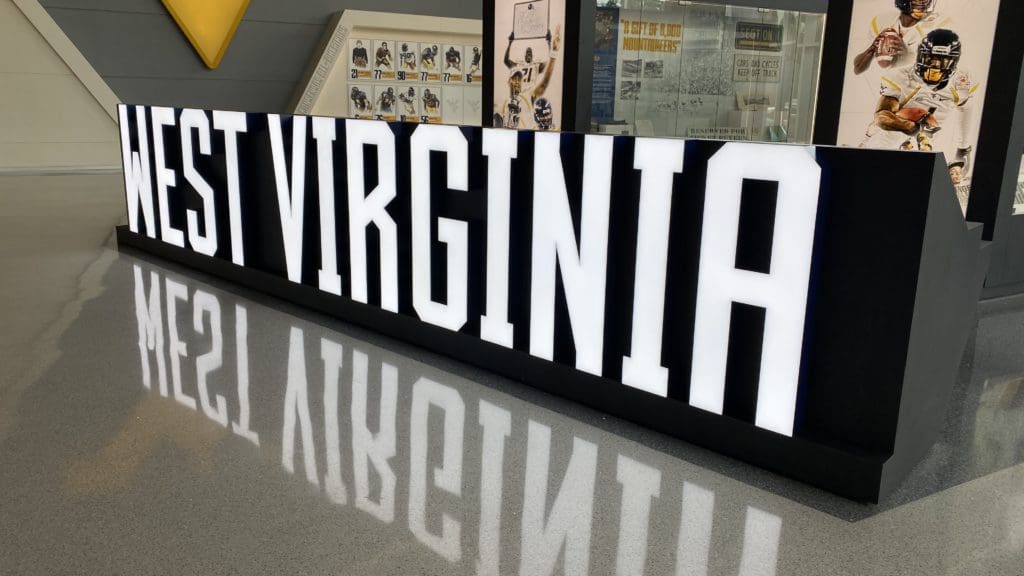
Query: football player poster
915, 79
528, 64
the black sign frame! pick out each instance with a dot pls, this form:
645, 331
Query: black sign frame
893, 284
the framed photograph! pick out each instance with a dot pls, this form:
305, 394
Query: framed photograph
409, 104
361, 101
474, 64
430, 104
431, 62
359, 58
383, 60
408, 61
528, 64
385, 103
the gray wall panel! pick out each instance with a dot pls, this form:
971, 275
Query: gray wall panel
139, 50
151, 45
257, 96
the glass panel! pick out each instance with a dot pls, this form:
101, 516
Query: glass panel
700, 70
1018, 197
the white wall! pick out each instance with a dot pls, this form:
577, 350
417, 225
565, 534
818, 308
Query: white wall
48, 118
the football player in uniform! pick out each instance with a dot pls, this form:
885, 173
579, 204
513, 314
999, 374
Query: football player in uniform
359, 56
453, 59
428, 56
524, 86
408, 101
513, 109
531, 70
408, 58
474, 64
921, 100
360, 100
431, 103
386, 101
383, 59
543, 115
893, 36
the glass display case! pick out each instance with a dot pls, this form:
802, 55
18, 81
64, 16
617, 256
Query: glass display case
703, 70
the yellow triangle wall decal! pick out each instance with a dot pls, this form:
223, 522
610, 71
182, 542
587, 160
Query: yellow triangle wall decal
209, 25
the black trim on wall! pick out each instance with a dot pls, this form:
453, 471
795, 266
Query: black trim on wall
578, 73
1007, 274
833, 72
989, 192
487, 110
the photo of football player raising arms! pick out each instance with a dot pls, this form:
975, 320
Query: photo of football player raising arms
527, 64
527, 82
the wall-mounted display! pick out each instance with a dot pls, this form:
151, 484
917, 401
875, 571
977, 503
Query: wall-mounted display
528, 66
417, 69
915, 79
702, 70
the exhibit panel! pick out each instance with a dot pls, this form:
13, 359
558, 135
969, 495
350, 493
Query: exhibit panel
528, 64
747, 297
396, 67
705, 70
915, 79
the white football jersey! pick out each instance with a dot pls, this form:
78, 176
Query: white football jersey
531, 74
408, 60
912, 92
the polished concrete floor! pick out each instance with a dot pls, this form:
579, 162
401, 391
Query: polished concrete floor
155, 421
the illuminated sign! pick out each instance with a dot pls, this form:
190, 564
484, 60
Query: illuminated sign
694, 286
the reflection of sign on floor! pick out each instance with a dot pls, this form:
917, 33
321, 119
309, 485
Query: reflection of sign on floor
754, 68
757, 36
